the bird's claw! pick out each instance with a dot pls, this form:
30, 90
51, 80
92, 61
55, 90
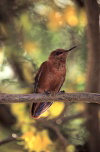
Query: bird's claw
61, 92
47, 92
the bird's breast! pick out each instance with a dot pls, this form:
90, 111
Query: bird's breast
52, 79
56, 78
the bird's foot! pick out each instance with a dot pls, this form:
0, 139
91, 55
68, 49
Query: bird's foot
61, 92
50, 93
47, 92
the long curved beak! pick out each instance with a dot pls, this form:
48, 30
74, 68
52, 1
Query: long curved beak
70, 49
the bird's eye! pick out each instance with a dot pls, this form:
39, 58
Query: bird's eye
58, 53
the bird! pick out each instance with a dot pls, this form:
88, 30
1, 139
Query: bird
50, 78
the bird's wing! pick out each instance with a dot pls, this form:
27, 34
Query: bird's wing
39, 108
61, 83
40, 72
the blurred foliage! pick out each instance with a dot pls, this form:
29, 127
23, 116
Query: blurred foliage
55, 110
28, 33
38, 138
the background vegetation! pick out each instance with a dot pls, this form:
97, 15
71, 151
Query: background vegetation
29, 31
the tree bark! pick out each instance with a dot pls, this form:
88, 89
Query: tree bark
93, 74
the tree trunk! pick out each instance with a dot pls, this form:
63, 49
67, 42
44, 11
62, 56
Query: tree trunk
93, 73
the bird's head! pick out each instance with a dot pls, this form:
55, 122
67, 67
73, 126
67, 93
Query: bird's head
60, 54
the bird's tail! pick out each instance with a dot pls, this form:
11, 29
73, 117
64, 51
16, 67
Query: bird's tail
38, 108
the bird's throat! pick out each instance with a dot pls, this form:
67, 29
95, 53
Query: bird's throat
59, 64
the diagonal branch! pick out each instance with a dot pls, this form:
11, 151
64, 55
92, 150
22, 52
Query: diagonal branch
62, 139
14, 137
84, 97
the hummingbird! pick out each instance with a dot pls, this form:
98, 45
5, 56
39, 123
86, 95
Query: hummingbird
50, 78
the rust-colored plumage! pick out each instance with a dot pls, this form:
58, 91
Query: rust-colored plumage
49, 78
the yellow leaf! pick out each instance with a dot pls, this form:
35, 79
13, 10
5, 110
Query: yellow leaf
80, 107
55, 20
25, 22
70, 148
70, 16
80, 78
30, 46
82, 18
37, 141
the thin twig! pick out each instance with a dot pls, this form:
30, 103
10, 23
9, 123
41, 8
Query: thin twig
14, 137
68, 118
56, 129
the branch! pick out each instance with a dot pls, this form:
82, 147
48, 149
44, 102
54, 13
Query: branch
68, 118
83, 97
62, 139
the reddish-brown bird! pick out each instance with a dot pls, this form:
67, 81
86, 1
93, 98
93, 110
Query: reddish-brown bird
49, 78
